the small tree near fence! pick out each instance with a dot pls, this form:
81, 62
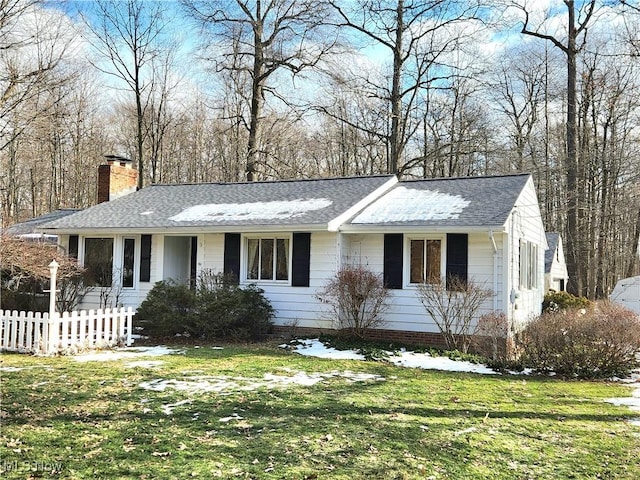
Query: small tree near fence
357, 299
453, 305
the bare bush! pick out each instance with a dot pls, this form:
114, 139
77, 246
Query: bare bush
357, 299
453, 305
490, 338
596, 343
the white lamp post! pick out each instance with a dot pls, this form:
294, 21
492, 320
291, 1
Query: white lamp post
53, 330
53, 268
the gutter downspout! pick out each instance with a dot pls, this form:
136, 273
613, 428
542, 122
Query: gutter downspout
495, 269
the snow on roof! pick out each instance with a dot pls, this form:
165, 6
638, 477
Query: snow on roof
251, 211
407, 204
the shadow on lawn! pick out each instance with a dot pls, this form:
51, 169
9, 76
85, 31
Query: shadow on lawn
356, 427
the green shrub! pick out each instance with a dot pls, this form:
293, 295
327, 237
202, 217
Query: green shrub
557, 301
217, 309
229, 311
167, 310
600, 343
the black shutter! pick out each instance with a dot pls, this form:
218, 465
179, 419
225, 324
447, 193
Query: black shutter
145, 258
73, 246
457, 256
301, 259
232, 256
392, 270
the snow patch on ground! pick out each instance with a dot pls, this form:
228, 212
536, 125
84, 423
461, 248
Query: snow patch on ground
315, 348
427, 362
224, 384
633, 402
126, 353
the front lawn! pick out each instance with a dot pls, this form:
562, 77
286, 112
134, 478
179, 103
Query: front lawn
265, 413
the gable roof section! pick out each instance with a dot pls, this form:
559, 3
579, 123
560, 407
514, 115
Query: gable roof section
550, 253
444, 203
251, 204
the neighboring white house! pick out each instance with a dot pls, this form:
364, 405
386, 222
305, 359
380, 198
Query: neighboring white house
627, 293
290, 238
556, 276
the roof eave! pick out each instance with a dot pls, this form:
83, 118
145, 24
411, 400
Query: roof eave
186, 229
381, 228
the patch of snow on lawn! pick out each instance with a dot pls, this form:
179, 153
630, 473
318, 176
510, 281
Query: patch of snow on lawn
427, 362
125, 353
277, 210
168, 408
633, 402
315, 348
226, 385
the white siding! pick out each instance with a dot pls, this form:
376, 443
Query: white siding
525, 223
211, 251
496, 269
98, 297
558, 270
407, 312
298, 305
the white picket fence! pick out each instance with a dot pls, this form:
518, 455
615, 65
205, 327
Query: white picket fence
67, 332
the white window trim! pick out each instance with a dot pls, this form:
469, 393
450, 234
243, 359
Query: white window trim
117, 254
406, 263
244, 259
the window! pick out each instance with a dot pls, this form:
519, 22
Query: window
425, 261
128, 262
268, 259
528, 265
145, 258
98, 261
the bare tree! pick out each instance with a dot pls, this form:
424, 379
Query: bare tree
578, 19
417, 35
33, 43
34, 47
268, 37
129, 36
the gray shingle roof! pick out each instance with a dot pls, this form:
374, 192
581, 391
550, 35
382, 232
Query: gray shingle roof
32, 225
446, 202
288, 202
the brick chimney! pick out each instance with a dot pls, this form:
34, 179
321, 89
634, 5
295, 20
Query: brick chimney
116, 178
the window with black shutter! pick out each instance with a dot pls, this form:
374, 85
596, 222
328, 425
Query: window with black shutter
393, 252
232, 256
301, 259
145, 258
457, 257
